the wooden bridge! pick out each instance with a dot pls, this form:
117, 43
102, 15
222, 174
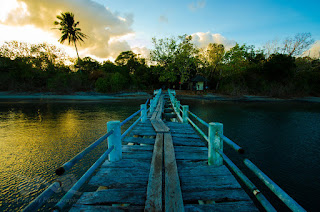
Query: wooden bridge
166, 169
161, 164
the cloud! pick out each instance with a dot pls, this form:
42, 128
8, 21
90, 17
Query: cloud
314, 51
199, 4
202, 39
144, 52
104, 27
163, 19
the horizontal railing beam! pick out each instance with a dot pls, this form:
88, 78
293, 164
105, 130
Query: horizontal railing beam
253, 189
232, 144
281, 194
68, 165
43, 197
66, 198
130, 117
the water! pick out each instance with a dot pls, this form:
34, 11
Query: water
36, 137
282, 139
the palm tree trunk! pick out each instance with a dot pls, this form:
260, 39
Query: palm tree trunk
76, 49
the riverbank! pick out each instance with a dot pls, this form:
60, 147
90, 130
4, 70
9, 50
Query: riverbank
244, 98
75, 96
94, 96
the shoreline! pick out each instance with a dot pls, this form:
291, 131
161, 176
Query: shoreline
93, 96
79, 96
247, 98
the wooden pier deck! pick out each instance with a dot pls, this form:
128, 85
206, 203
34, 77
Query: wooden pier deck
164, 168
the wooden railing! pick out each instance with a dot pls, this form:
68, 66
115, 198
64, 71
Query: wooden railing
215, 139
114, 153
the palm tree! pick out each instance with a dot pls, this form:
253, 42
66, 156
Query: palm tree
69, 29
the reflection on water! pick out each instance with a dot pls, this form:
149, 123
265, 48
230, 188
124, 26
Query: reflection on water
35, 138
281, 138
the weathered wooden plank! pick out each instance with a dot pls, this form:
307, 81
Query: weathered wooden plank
178, 125
190, 149
143, 133
119, 182
159, 126
223, 195
103, 208
128, 172
113, 176
125, 163
138, 155
204, 170
173, 195
196, 183
136, 148
114, 196
138, 140
181, 135
187, 142
240, 206
143, 128
189, 155
154, 189
191, 163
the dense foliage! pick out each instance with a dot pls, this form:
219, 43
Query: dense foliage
173, 62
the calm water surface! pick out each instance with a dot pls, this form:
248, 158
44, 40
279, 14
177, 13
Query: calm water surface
36, 137
282, 139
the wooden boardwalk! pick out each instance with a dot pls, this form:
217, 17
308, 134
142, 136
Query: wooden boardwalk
164, 168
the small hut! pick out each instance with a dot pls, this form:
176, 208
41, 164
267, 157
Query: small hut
198, 83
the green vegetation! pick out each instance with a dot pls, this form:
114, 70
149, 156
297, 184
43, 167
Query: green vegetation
272, 71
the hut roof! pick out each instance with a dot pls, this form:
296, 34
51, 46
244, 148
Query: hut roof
199, 78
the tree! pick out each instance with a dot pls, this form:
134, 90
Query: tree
178, 58
69, 29
298, 44
212, 57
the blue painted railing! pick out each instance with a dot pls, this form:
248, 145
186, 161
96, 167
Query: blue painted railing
215, 141
113, 152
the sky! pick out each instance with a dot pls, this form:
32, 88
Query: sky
114, 26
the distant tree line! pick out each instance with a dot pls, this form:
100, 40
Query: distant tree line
274, 70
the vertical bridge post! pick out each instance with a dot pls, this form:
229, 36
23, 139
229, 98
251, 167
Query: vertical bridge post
114, 140
215, 144
185, 109
143, 113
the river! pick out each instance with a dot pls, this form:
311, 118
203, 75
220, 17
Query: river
38, 136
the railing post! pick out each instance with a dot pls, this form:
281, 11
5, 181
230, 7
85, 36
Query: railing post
115, 140
185, 109
215, 144
143, 112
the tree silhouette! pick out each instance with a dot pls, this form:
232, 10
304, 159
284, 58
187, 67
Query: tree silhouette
69, 29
